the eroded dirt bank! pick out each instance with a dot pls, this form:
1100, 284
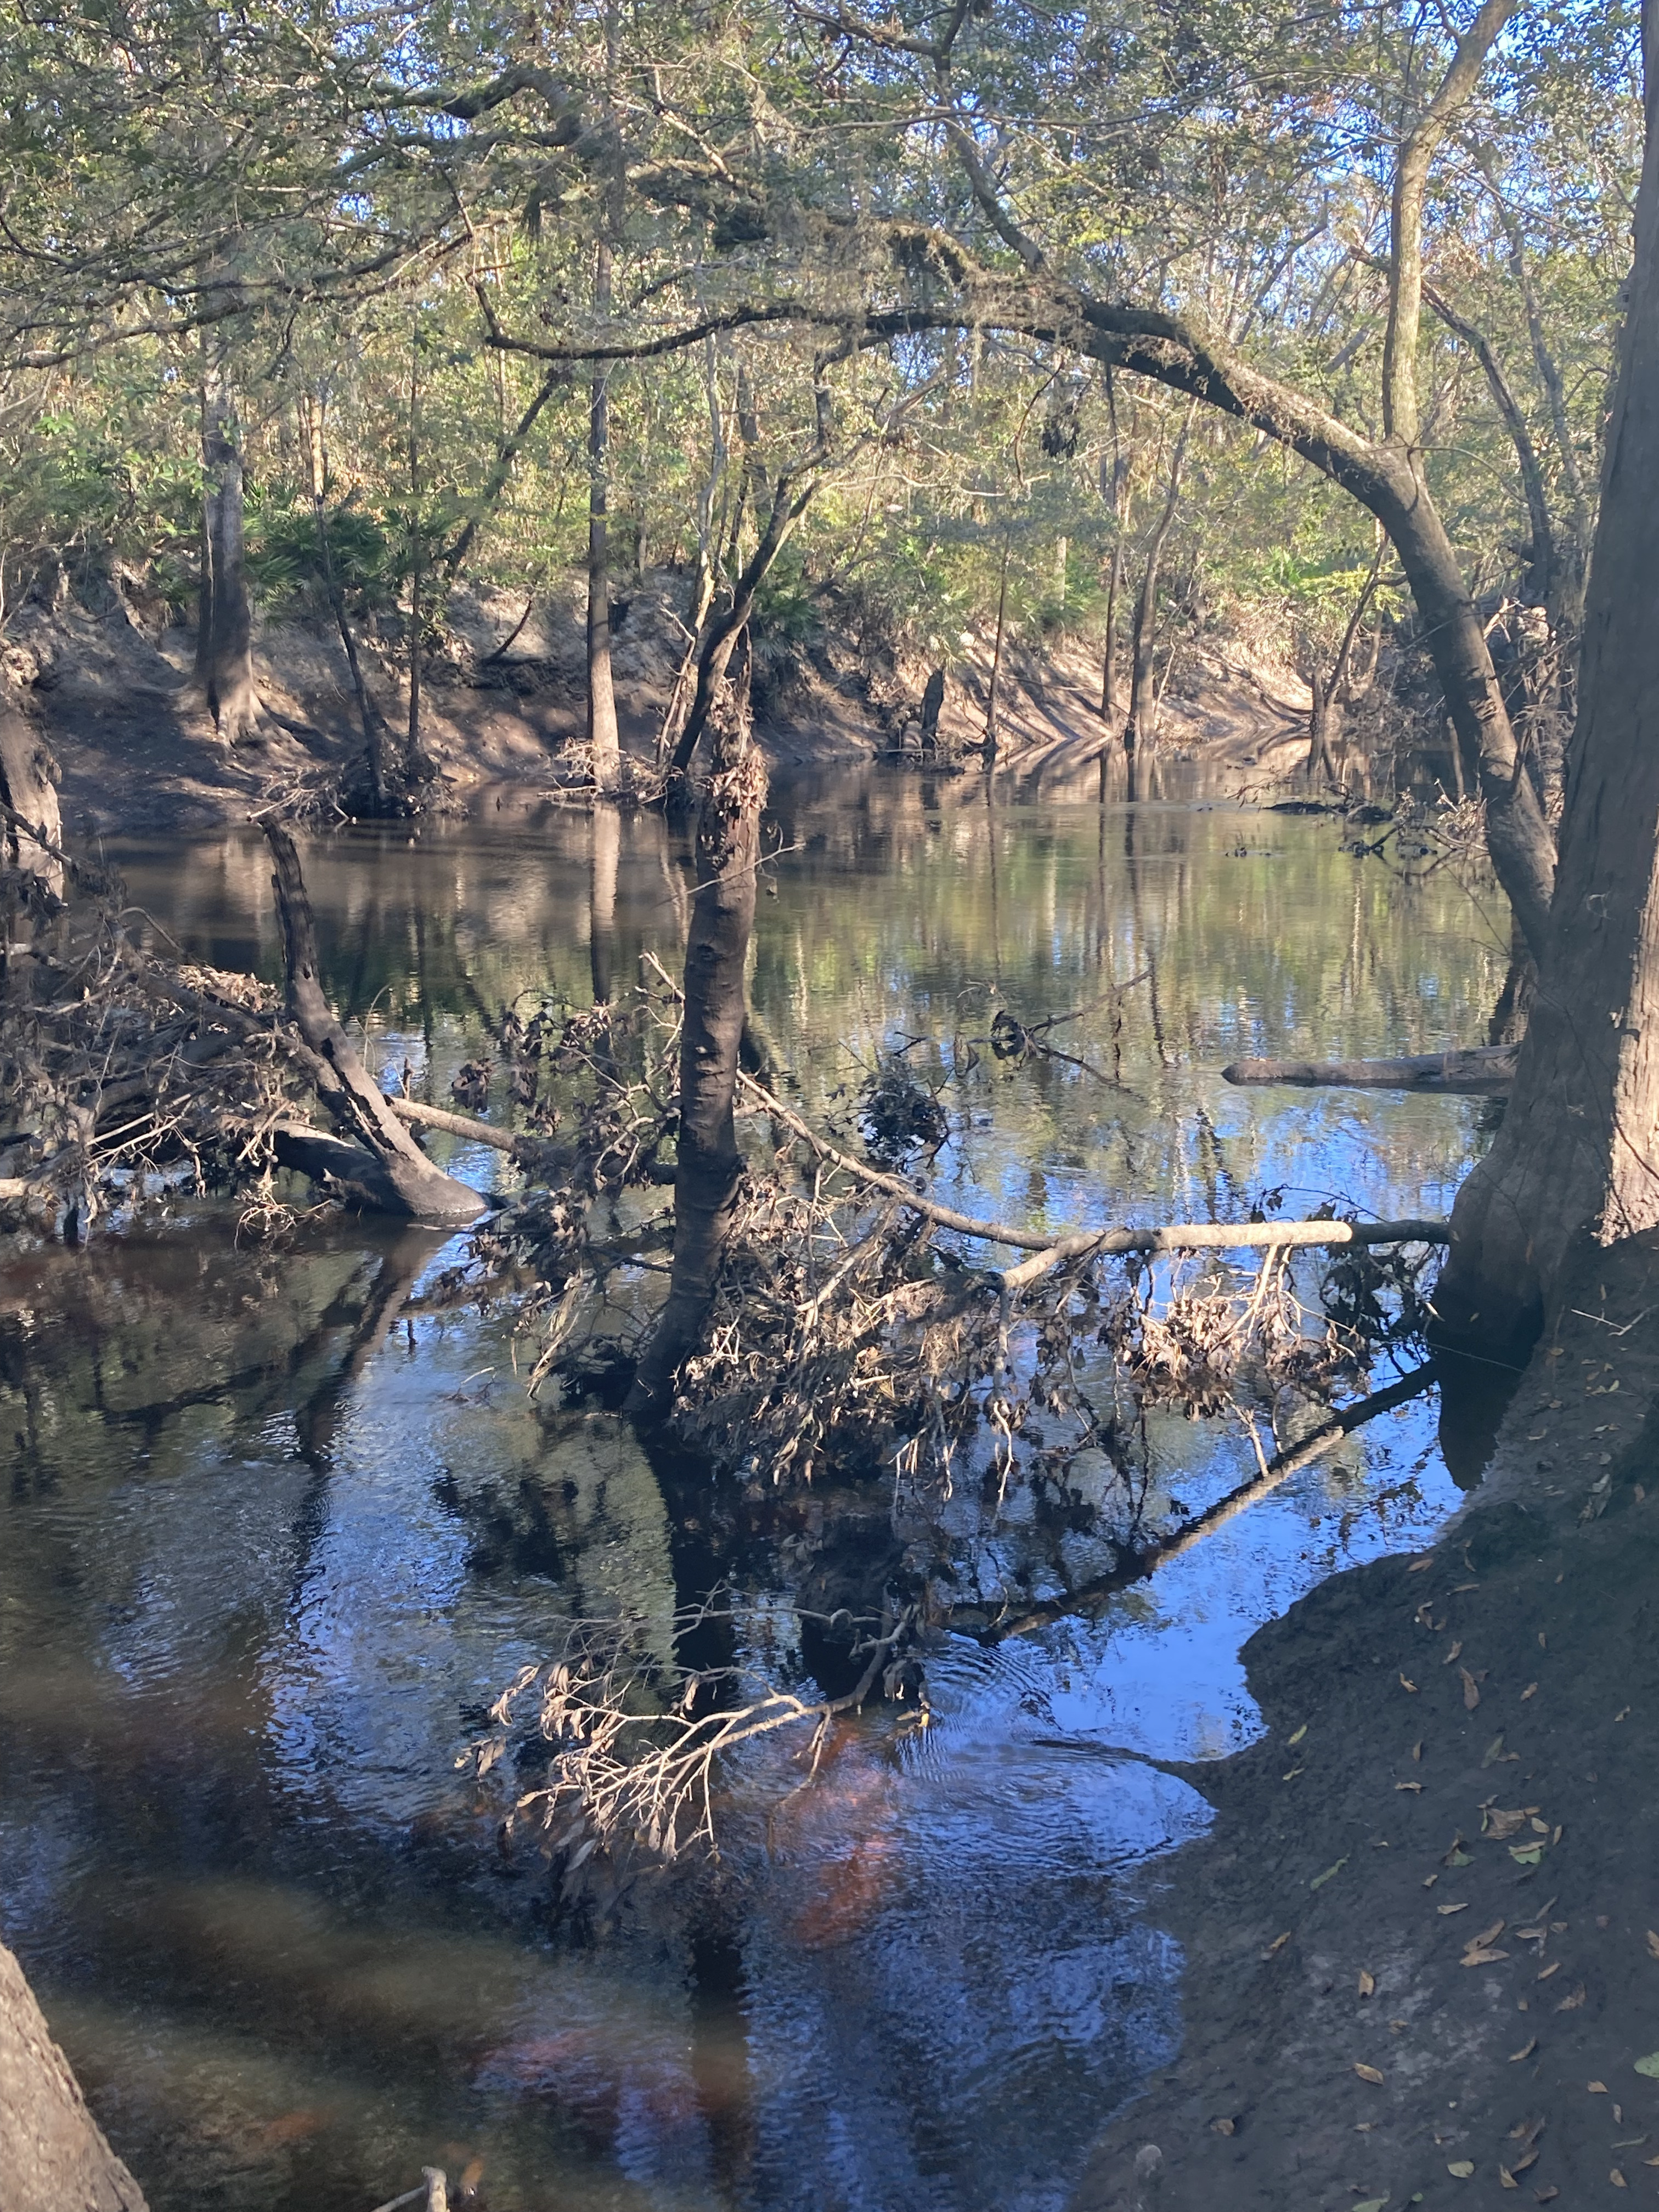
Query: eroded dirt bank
109, 692
1419, 1968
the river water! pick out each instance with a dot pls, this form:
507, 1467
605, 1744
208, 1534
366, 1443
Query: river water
275, 1527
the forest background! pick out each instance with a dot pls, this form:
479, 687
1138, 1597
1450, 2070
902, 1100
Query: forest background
337, 309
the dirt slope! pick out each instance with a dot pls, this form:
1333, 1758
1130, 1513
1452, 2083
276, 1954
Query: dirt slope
1479, 1761
109, 692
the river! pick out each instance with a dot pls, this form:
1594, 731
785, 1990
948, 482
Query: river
275, 1527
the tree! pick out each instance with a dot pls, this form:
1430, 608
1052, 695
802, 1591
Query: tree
1577, 1159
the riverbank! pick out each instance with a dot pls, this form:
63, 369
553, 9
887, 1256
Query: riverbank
1419, 1965
108, 690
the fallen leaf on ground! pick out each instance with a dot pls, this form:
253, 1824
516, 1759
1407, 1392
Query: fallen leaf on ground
1292, 1776
1443, 1910
1481, 1958
1418, 1566
1531, 1690
1371, 2204
1618, 2178
1546, 2196
1417, 1748
1653, 1945
1298, 1737
1486, 1934
1221, 2127
1597, 2089
1471, 1691
1367, 1983
1554, 1968
1372, 2074
1506, 2178
1527, 1855
1502, 1824
1416, 1788
1276, 1945
1330, 1873
1649, 2066
1456, 1652
1571, 2001
1462, 2167
1525, 2051
1405, 1685
1522, 2164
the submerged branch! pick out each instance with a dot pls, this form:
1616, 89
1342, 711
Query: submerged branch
1472, 1072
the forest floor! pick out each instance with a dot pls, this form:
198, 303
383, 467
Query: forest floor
1422, 1936
109, 692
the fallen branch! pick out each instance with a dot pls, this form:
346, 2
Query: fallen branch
1050, 1251
354, 1101
1138, 1565
1218, 1236
1474, 1071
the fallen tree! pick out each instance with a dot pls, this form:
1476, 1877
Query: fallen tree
1471, 1072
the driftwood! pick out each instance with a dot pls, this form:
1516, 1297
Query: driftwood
1218, 1236
390, 1166
1476, 1071
1050, 1251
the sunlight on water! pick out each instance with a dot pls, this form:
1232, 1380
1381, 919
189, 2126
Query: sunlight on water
273, 1533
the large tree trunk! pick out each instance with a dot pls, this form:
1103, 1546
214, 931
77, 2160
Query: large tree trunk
605, 749
53, 2157
1577, 1157
224, 632
709, 1166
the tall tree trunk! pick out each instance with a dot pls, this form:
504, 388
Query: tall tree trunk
1140, 726
1108, 651
605, 750
603, 859
709, 1167
707, 564
417, 763
1319, 725
991, 698
224, 631
1577, 1157
385, 784
790, 500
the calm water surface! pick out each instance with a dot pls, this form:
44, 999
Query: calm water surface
272, 1530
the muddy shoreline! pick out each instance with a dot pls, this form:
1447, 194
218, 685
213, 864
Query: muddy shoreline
1459, 1747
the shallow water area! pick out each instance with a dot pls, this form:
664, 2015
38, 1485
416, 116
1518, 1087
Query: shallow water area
275, 1527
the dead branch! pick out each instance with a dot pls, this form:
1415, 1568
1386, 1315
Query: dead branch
1472, 1072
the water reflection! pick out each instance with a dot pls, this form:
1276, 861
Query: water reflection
277, 1527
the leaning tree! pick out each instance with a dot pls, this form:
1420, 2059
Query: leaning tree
1576, 1160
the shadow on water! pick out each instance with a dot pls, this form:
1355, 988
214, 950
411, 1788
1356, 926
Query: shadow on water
277, 1525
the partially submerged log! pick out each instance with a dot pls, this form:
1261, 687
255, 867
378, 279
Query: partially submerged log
53, 2157
389, 1165
1472, 1072
1219, 1236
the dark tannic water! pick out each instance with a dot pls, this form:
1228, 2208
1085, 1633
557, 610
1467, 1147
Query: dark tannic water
272, 1530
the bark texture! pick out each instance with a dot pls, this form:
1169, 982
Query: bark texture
709, 1167
605, 749
1577, 1157
53, 2157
